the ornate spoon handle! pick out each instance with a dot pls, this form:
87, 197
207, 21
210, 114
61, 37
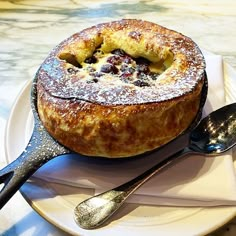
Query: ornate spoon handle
94, 211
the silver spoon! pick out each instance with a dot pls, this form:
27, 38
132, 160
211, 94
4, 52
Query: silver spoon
215, 134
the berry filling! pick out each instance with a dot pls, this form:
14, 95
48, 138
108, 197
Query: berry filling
117, 64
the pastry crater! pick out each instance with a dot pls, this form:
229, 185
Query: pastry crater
125, 62
120, 89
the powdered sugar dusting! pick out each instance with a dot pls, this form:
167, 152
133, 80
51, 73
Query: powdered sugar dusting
181, 77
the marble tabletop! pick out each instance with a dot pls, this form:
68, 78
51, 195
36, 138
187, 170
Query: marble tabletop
29, 29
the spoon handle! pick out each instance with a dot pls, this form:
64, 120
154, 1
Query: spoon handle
94, 211
41, 149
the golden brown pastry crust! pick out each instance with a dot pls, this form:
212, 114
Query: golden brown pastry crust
112, 118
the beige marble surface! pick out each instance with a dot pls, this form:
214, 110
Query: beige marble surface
30, 29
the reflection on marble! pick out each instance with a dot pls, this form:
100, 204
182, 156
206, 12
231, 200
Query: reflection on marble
29, 29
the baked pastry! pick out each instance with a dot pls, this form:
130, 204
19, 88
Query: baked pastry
120, 89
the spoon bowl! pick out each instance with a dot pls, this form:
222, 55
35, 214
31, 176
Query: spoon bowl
215, 134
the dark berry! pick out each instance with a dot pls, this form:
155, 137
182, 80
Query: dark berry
128, 60
114, 60
143, 68
119, 52
126, 68
91, 60
140, 83
131, 70
109, 68
72, 70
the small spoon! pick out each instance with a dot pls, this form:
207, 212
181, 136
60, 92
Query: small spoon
215, 134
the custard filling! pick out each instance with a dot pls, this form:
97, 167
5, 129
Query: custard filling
117, 65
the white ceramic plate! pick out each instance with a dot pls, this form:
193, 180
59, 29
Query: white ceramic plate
56, 202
